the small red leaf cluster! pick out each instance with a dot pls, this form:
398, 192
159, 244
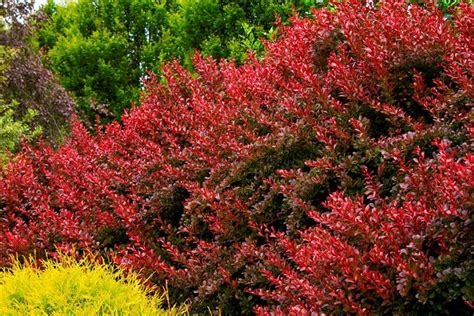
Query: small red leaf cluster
335, 175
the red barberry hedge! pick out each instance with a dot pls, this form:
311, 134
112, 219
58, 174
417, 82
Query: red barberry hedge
335, 175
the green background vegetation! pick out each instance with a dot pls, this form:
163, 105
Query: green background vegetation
101, 49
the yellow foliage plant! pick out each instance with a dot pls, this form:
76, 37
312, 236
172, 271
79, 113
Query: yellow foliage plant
76, 287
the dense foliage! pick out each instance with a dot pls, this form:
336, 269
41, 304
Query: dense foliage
75, 287
334, 175
101, 49
12, 128
27, 85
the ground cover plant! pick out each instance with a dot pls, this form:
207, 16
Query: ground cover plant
75, 287
334, 175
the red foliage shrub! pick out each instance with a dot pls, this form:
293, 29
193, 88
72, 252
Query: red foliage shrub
362, 256
335, 175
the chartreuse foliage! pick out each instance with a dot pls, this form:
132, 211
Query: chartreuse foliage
12, 130
76, 287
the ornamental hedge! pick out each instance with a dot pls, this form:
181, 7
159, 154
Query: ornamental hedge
334, 175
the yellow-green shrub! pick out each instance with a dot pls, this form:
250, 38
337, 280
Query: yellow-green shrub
71, 287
